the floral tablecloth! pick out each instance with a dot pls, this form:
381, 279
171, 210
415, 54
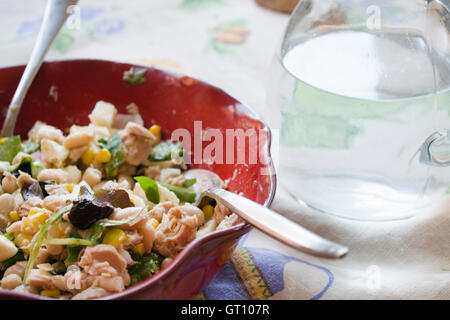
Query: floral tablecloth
230, 43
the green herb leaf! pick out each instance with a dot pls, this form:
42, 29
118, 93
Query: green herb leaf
189, 182
9, 236
166, 151
70, 242
145, 267
102, 142
40, 239
9, 148
73, 251
150, 188
115, 223
36, 168
114, 146
28, 165
135, 76
184, 194
95, 233
31, 147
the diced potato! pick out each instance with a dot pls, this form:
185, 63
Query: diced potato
92, 176
78, 139
33, 133
103, 114
73, 174
50, 133
70, 174
7, 248
53, 153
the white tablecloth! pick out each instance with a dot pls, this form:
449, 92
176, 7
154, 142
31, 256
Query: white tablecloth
230, 43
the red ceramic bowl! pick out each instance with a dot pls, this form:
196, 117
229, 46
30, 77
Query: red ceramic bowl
172, 101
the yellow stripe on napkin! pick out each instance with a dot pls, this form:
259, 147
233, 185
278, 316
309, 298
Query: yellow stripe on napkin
250, 276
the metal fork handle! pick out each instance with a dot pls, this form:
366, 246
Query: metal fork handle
277, 226
55, 15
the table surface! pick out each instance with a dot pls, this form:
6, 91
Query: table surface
231, 43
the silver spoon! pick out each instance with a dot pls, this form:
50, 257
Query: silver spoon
208, 186
56, 14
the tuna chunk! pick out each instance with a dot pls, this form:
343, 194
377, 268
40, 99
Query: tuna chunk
91, 293
160, 209
137, 143
220, 212
106, 266
174, 232
191, 210
39, 279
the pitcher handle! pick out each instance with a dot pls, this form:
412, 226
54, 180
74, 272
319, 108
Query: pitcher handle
435, 151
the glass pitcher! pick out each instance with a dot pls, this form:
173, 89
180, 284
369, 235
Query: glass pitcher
360, 94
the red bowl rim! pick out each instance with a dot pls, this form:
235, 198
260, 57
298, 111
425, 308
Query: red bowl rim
241, 228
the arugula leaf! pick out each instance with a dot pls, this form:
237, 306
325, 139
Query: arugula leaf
28, 165
114, 146
36, 168
150, 188
184, 194
103, 142
189, 182
9, 236
165, 151
135, 76
95, 232
31, 147
145, 267
73, 251
9, 148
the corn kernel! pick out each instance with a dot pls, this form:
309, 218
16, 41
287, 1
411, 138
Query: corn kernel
51, 293
3, 139
154, 223
88, 156
38, 214
114, 237
35, 218
14, 216
103, 156
139, 249
208, 210
155, 130
69, 187
22, 241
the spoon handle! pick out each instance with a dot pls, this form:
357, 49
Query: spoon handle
277, 226
56, 14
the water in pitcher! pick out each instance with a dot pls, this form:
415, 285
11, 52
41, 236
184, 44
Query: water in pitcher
355, 107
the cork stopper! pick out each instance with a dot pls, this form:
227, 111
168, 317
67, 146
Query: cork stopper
286, 6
